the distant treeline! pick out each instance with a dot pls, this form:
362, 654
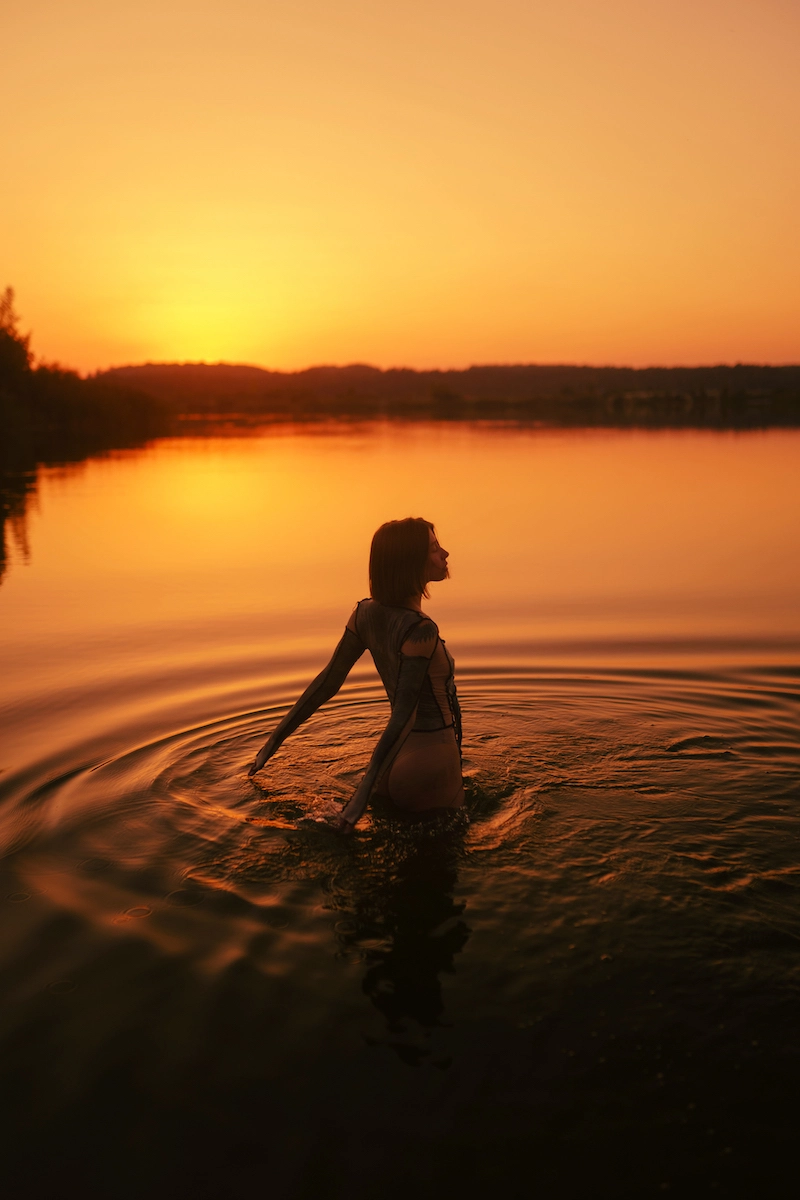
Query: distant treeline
48, 414
721, 397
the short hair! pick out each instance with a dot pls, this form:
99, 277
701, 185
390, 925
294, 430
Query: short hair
397, 559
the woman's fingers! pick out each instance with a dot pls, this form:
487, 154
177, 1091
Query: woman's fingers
263, 755
261, 758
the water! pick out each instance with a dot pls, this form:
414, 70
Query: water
588, 986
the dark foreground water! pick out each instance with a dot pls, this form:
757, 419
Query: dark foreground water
585, 985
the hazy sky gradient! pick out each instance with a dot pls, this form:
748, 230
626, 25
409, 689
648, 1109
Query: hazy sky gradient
432, 184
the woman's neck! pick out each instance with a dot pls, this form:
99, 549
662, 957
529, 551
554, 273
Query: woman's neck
414, 602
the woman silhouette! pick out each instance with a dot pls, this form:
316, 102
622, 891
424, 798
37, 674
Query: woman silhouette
416, 764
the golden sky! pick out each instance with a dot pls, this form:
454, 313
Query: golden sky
432, 183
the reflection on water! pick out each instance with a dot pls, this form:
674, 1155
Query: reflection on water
406, 926
597, 962
16, 491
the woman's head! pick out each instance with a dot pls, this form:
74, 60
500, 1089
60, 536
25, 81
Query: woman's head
404, 558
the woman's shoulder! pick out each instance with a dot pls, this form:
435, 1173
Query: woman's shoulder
399, 613
396, 611
352, 620
361, 607
391, 621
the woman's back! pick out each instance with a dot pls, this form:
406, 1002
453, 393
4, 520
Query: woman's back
382, 629
388, 633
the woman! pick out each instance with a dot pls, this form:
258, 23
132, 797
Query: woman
417, 761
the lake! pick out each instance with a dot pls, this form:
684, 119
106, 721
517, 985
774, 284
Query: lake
587, 987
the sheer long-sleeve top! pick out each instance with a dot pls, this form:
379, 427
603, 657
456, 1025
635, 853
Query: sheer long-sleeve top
416, 669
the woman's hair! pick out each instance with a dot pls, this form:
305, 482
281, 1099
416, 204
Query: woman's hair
397, 559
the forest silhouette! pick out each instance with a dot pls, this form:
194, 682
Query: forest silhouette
723, 397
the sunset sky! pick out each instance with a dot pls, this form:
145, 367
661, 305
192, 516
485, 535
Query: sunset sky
437, 183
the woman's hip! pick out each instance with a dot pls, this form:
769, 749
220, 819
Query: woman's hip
426, 772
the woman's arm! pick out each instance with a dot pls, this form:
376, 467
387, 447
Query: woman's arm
416, 653
326, 684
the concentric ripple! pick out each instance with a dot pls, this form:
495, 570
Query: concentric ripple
651, 781
621, 825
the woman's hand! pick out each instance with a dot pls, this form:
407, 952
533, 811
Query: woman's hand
266, 752
354, 808
345, 822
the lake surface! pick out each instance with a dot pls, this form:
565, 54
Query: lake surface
588, 987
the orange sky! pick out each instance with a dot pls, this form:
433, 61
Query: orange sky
436, 183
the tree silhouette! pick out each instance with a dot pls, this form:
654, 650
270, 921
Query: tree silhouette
48, 414
15, 355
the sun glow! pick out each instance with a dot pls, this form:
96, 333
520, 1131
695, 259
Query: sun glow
286, 184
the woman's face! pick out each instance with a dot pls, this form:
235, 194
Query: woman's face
436, 566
